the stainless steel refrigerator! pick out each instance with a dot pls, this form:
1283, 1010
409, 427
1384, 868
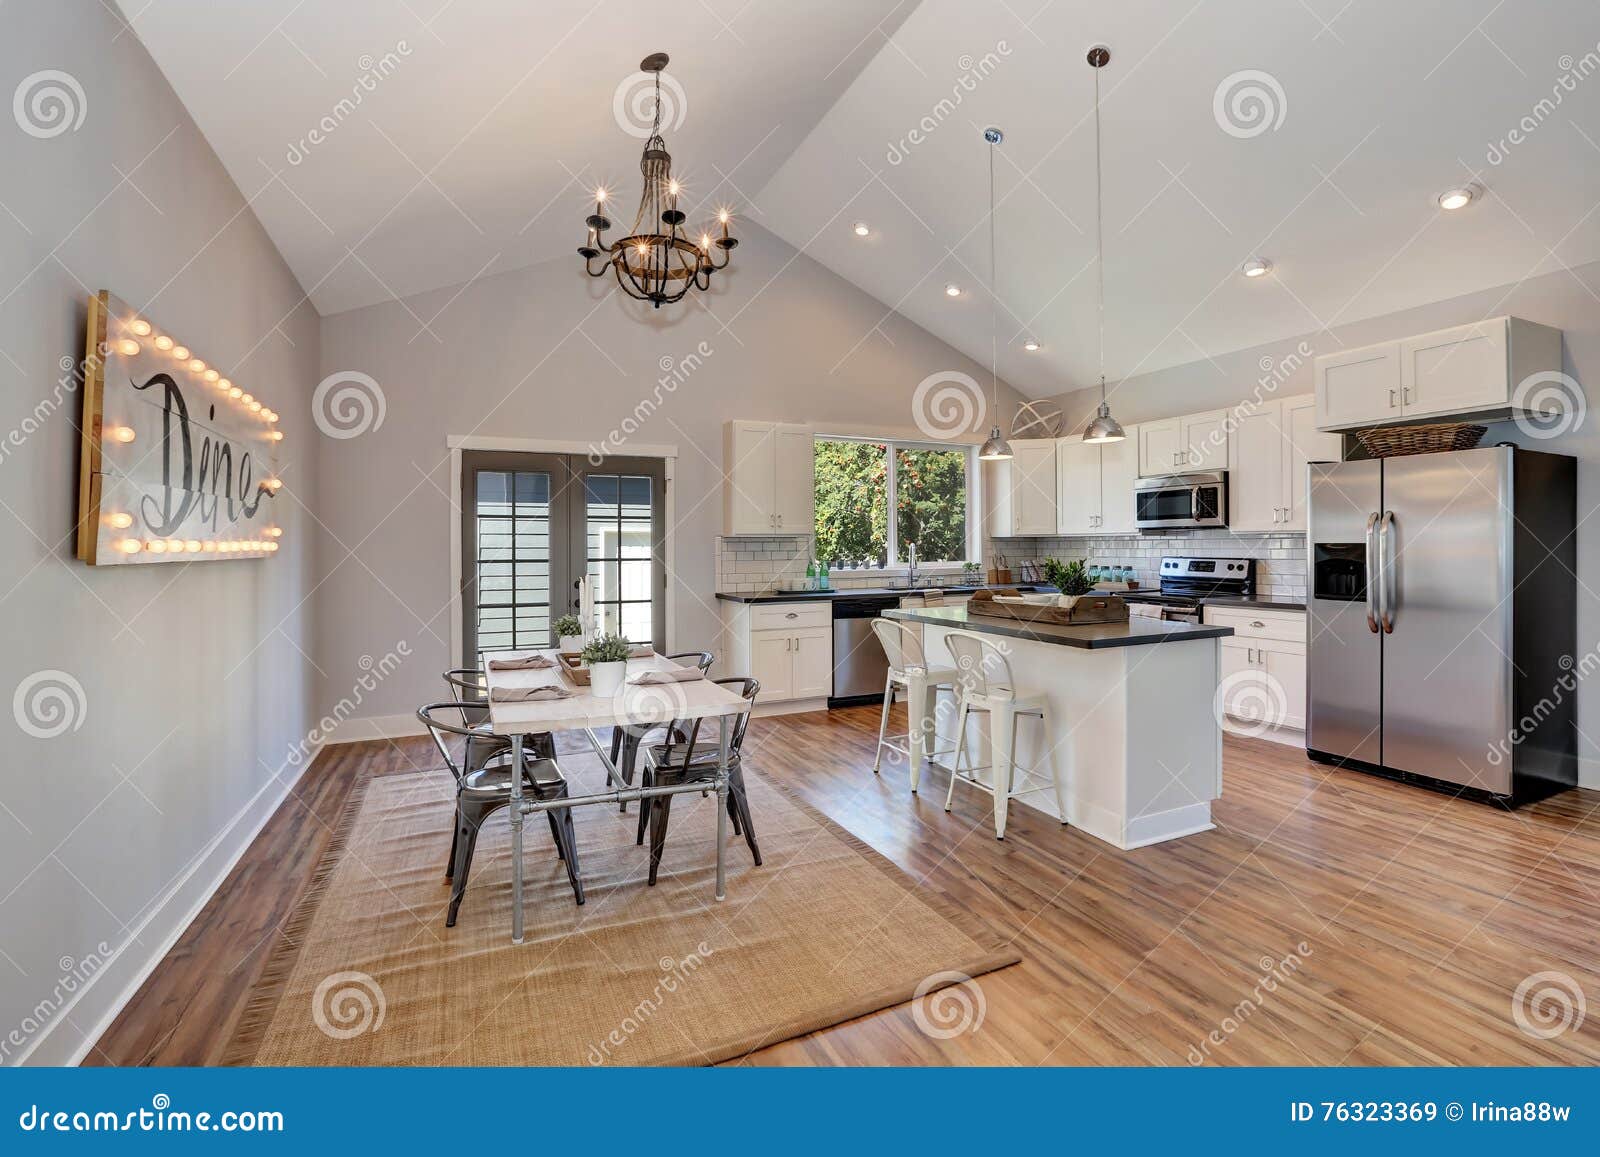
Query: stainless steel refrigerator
1441, 620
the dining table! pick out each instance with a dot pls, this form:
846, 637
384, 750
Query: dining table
634, 705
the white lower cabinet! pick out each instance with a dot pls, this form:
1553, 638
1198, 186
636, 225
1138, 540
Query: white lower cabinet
787, 647
1263, 668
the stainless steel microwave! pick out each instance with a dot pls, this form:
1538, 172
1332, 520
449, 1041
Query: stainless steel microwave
1180, 500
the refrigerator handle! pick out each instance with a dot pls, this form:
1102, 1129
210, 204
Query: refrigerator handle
1372, 572
1386, 569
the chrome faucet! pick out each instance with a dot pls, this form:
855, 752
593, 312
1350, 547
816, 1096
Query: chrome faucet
911, 565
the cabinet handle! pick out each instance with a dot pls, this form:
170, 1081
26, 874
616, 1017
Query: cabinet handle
1258, 624
1405, 395
796, 615
1391, 399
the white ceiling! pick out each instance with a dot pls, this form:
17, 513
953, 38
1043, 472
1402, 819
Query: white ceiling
473, 155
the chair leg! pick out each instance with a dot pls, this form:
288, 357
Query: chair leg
1055, 764
733, 815
739, 800
455, 838
566, 835
883, 722
468, 820
646, 779
961, 748
555, 834
660, 810
1002, 730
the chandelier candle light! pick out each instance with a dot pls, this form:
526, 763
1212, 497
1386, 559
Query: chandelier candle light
649, 264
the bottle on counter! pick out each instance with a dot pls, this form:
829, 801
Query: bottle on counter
822, 575
811, 575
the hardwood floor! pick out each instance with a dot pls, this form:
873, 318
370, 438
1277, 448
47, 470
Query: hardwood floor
1332, 918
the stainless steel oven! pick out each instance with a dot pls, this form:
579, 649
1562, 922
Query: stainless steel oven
1181, 500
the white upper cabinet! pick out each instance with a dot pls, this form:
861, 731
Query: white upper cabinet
1205, 441
1119, 468
1161, 447
1030, 477
1080, 493
1465, 371
1268, 452
770, 480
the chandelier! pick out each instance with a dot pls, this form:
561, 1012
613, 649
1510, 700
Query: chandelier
655, 262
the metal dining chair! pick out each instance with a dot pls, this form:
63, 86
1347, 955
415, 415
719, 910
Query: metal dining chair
683, 759
469, 686
625, 741
483, 786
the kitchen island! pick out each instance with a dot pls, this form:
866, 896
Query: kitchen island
1133, 718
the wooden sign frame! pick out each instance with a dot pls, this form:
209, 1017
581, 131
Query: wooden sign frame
177, 463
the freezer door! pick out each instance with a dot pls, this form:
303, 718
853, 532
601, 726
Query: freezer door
1345, 652
1446, 561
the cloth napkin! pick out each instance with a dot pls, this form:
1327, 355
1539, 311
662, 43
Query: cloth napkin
528, 694
676, 675
526, 663
642, 651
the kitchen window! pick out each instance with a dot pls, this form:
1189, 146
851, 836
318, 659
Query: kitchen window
875, 497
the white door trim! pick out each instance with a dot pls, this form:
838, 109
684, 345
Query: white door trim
459, 442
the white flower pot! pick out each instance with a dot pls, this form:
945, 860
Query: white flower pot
571, 644
606, 679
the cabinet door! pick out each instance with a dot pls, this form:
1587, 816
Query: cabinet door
772, 663
751, 479
1241, 679
1205, 441
1255, 481
1119, 467
1303, 443
795, 500
1285, 673
1079, 492
1358, 387
1455, 371
1033, 487
1159, 447
813, 662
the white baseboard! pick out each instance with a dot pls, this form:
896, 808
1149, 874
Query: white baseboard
375, 727
72, 1032
790, 706
1288, 736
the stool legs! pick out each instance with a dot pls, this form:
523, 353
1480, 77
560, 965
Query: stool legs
961, 750
917, 718
1002, 748
1056, 772
883, 722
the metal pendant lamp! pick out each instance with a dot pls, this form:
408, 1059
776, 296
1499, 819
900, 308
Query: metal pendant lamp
1102, 427
995, 448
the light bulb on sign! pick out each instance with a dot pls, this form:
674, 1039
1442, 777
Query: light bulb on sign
122, 434
197, 365
174, 545
156, 546
139, 326
180, 352
276, 435
236, 392
274, 532
246, 399
224, 384
211, 375
271, 546
163, 343
209, 547
192, 546
121, 520
127, 347
255, 407
273, 484
129, 546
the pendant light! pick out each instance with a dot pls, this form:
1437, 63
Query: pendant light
996, 448
1102, 427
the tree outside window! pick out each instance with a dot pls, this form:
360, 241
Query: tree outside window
856, 510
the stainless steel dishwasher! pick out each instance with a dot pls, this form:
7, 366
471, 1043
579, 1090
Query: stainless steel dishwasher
859, 664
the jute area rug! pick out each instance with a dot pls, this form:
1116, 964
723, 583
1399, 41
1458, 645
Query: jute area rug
368, 974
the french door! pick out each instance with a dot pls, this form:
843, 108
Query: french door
533, 524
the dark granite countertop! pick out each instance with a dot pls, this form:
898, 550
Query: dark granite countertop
1258, 602
1136, 632
867, 592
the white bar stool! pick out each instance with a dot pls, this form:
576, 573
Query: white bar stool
908, 668
984, 684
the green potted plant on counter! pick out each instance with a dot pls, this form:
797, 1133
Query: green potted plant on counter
606, 656
569, 634
1070, 578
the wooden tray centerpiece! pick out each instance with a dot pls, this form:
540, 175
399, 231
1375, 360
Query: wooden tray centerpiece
1090, 608
572, 666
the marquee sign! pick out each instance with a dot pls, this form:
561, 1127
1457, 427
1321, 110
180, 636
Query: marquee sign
179, 464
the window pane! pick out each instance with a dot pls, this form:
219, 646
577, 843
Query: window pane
513, 524
931, 503
852, 500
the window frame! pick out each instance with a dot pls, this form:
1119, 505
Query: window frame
973, 528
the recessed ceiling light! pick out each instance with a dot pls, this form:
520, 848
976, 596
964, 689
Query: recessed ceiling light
1458, 198
861, 229
1030, 345
952, 290
1256, 267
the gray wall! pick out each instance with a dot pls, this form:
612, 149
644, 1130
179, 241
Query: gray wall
194, 681
547, 353
1568, 300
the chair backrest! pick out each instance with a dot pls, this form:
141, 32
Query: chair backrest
902, 643
748, 688
479, 746
981, 663
702, 659
469, 687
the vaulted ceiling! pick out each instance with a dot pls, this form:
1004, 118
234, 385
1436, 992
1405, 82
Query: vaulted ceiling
462, 139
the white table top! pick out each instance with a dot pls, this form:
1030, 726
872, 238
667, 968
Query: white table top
699, 698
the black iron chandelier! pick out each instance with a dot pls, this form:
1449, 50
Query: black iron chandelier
651, 264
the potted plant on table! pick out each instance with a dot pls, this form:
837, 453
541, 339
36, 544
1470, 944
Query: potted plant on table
1070, 578
569, 633
607, 659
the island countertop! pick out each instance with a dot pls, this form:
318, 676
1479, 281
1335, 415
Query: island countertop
1138, 631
